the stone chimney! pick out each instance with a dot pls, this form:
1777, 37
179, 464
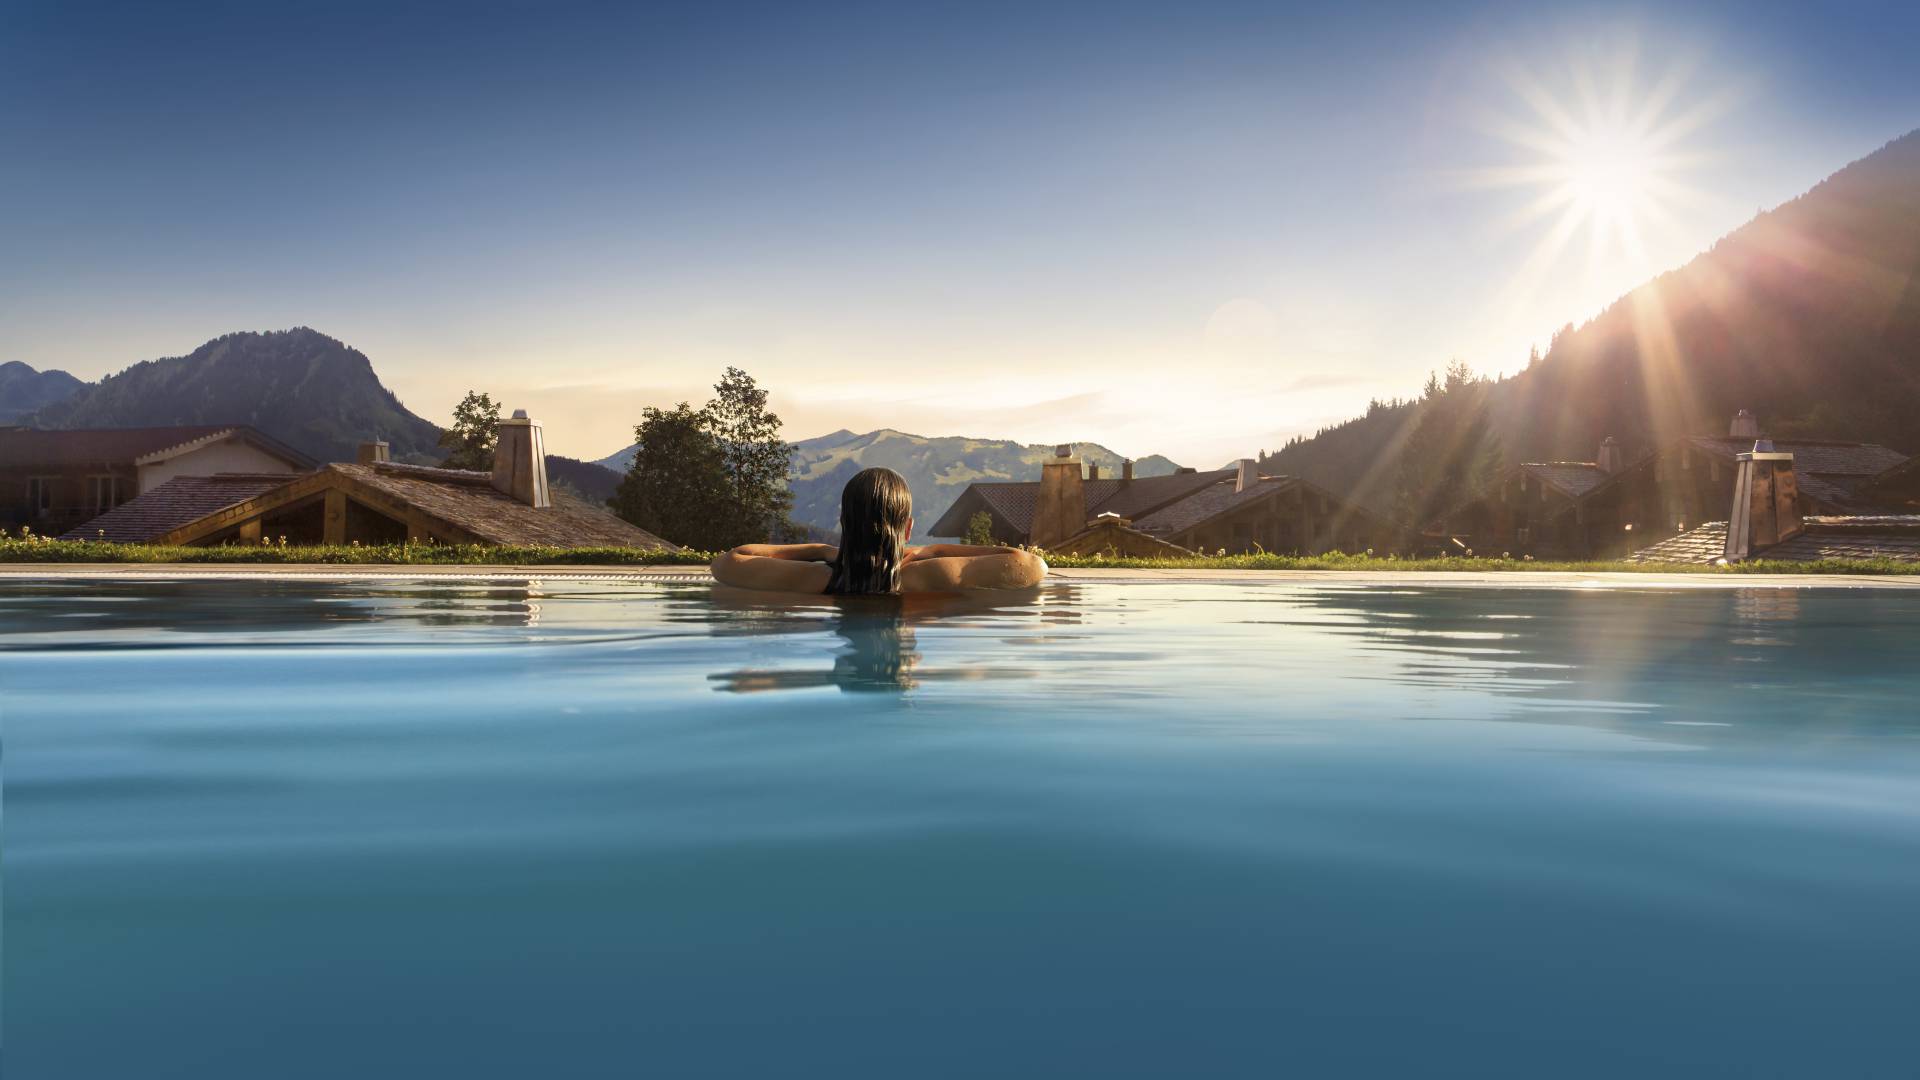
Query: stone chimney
1766, 505
520, 461
372, 453
1744, 426
1126, 471
1609, 460
1093, 471
1060, 509
1248, 475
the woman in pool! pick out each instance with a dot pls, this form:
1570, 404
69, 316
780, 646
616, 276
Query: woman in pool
876, 517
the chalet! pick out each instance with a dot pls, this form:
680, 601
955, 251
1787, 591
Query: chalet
1606, 507
51, 481
1765, 521
376, 501
1234, 509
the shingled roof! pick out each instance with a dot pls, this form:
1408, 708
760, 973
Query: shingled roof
1828, 472
1895, 537
1209, 502
451, 505
30, 447
1571, 478
470, 501
177, 502
1013, 501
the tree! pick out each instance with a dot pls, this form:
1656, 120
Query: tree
980, 528
710, 478
677, 486
469, 441
1451, 454
757, 459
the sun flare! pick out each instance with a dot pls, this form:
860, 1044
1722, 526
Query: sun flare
1598, 158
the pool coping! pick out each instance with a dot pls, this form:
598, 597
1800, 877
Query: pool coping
1079, 575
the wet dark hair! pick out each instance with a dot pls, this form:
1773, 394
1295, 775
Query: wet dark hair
874, 509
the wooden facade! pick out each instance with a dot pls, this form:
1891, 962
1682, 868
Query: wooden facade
54, 481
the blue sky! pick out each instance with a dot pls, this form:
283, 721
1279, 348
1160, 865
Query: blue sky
1192, 230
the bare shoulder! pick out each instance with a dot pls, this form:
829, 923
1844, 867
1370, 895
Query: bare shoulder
1006, 570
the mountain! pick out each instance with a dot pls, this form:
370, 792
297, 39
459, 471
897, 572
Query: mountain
299, 385
1809, 315
937, 469
23, 390
590, 480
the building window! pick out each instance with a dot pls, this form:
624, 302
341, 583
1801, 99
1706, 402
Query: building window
40, 495
103, 492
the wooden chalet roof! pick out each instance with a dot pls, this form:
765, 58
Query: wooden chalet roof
1573, 479
1013, 501
1828, 472
1208, 503
1868, 537
1220, 497
180, 501
469, 500
30, 447
460, 505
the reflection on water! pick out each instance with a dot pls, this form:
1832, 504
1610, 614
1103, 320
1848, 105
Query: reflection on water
877, 649
577, 828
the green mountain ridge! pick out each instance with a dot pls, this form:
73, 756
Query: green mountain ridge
300, 386
1809, 315
24, 390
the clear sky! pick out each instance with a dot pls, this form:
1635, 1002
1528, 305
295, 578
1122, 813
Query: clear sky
1186, 229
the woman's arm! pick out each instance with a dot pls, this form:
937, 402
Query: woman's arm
955, 551
768, 573
1006, 569
795, 552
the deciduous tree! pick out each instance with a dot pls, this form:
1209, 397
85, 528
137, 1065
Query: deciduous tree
469, 442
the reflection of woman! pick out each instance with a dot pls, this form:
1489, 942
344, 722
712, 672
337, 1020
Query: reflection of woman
876, 517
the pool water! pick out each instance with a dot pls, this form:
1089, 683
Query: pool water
286, 829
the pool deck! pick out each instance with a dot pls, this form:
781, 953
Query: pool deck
1494, 579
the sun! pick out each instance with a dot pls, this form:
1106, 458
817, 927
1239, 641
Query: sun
1608, 173
1593, 151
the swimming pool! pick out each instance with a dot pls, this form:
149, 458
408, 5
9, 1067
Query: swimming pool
272, 828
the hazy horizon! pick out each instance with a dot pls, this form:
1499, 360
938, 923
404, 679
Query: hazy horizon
1193, 236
